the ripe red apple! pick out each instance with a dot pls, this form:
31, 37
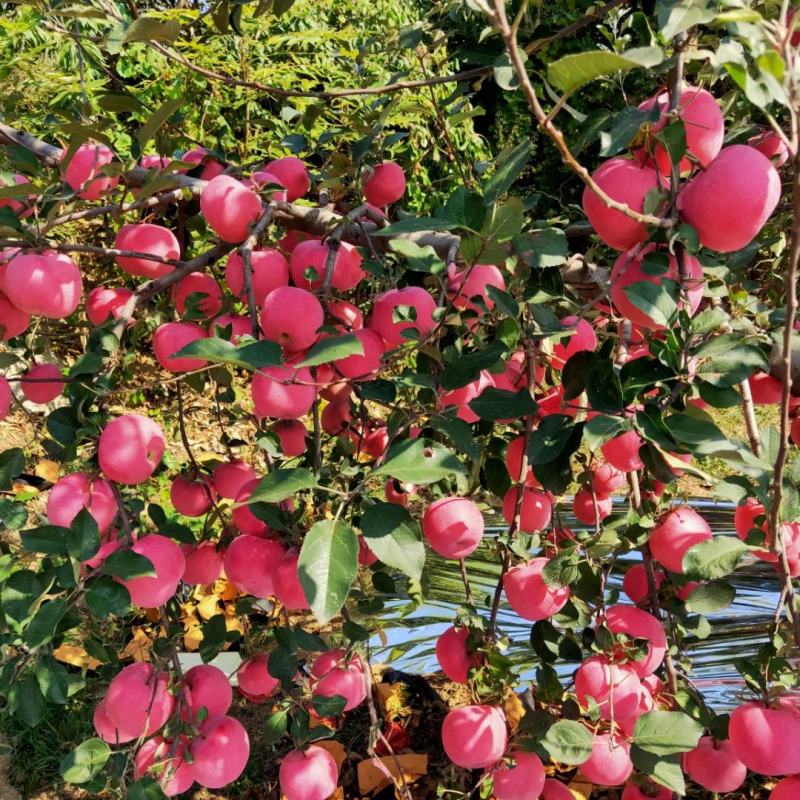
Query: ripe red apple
523, 781
628, 270
308, 263
203, 563
72, 493
168, 562
513, 461
555, 790
291, 317
475, 737
165, 762
82, 173
130, 448
345, 313
292, 434
675, 533
106, 729
639, 624
239, 324
615, 688
220, 752
198, 283
366, 366
47, 284
634, 584
137, 701
144, 237
169, 338
529, 595
473, 282
703, 123
625, 181
199, 155
270, 270
250, 562
454, 656
291, 173
772, 146
19, 208
230, 476
787, 789
730, 201
535, 511
713, 764
606, 479
255, 682
288, 588
583, 338
453, 526
461, 398
230, 208
414, 312
622, 451
346, 681
310, 774
766, 389
610, 762
326, 661
767, 740
385, 185
42, 384
104, 303
244, 519
13, 321
283, 392
583, 506
192, 498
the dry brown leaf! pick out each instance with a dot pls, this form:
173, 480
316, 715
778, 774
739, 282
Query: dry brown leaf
514, 710
582, 790
138, 648
225, 589
372, 778
76, 656
153, 615
48, 470
336, 749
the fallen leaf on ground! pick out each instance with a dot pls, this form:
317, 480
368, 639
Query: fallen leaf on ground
372, 777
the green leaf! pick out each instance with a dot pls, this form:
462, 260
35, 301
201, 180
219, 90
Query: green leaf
221, 351
215, 632
157, 119
327, 567
19, 595
12, 462
394, 536
510, 165
493, 404
598, 430
85, 761
725, 361
573, 71
664, 770
468, 366
147, 29
419, 259
714, 558
666, 733
547, 248
550, 438
275, 727
464, 208
42, 627
567, 742
327, 350
280, 484
625, 126
420, 461
25, 701
106, 596
126, 564
53, 679
329, 706
83, 538
655, 300
145, 789
49, 539
708, 597
675, 18
505, 74
414, 225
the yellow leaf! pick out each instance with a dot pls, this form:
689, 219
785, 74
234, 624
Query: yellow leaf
582, 790
76, 656
393, 699
372, 776
208, 607
48, 470
514, 710
336, 749
139, 647
193, 637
